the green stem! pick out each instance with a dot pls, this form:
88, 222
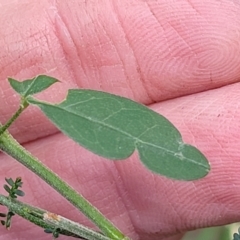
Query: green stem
49, 220
22, 210
73, 227
22, 107
11, 147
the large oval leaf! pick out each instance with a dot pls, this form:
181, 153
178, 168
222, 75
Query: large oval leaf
113, 127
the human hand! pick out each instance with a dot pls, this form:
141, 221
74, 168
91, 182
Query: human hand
166, 55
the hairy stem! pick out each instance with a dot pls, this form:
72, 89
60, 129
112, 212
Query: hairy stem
49, 220
21, 108
11, 147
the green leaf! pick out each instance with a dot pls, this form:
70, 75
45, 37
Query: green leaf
10, 181
18, 182
113, 127
19, 192
7, 188
3, 214
32, 86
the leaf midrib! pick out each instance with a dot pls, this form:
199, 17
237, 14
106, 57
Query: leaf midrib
127, 134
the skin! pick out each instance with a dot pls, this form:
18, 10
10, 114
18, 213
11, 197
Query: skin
181, 58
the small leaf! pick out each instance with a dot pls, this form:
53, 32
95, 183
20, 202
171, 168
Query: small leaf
113, 127
3, 215
7, 188
10, 181
18, 182
32, 86
19, 192
47, 230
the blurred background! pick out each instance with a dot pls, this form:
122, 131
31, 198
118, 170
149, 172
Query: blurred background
213, 233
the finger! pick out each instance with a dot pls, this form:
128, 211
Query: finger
158, 56
160, 49
149, 51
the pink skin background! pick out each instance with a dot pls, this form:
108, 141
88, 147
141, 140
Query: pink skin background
181, 58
